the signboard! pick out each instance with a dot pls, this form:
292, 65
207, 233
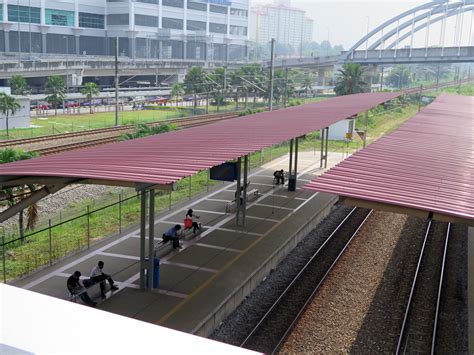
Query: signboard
224, 172
349, 136
361, 134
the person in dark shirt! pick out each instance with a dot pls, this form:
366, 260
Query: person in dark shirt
172, 234
75, 288
279, 176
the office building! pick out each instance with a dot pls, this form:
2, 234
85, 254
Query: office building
165, 29
287, 24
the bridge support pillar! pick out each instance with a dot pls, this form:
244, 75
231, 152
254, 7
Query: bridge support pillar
143, 202
44, 43
7, 41
76, 38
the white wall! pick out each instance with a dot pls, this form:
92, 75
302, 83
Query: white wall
21, 119
338, 130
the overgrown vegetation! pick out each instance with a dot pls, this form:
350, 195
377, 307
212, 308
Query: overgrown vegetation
144, 131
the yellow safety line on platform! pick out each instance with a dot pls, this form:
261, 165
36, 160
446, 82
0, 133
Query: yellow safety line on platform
229, 264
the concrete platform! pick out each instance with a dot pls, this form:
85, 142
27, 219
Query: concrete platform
202, 283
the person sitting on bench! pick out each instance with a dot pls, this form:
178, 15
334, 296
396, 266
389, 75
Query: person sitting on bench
74, 286
97, 275
172, 234
279, 176
190, 221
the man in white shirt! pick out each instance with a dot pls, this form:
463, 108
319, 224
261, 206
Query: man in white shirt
97, 275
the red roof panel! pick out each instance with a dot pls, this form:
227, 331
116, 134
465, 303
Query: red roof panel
168, 157
427, 164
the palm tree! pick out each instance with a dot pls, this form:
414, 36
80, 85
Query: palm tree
55, 91
16, 194
8, 104
195, 82
19, 85
90, 90
177, 91
349, 80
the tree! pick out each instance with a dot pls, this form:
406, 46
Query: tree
55, 91
177, 91
195, 82
15, 194
250, 80
19, 85
349, 80
307, 83
8, 104
399, 77
90, 90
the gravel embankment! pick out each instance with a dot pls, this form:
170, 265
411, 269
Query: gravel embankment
240, 322
50, 206
452, 336
331, 323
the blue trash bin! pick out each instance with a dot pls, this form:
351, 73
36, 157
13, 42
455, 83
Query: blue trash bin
156, 273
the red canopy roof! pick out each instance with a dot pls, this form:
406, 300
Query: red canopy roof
427, 164
167, 158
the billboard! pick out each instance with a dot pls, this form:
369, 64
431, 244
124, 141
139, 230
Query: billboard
225, 172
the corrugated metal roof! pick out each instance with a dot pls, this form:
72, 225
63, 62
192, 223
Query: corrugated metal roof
167, 158
427, 164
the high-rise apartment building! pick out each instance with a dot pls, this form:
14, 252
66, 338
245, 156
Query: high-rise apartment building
287, 24
167, 29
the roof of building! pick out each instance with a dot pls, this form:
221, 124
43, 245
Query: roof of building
426, 167
166, 158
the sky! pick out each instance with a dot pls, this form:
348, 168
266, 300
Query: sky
347, 19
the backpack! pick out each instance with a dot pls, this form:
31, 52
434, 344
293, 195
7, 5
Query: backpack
188, 223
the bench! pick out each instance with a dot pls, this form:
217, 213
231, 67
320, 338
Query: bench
251, 195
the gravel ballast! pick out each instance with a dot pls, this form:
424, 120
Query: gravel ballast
240, 322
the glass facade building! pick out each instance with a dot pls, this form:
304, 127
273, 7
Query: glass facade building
167, 29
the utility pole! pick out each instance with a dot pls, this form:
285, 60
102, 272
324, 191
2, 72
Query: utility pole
272, 68
286, 86
116, 82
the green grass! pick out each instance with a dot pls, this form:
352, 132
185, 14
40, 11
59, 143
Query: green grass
78, 122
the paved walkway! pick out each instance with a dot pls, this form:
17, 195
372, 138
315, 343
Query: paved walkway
185, 274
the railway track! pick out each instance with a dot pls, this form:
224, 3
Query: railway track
419, 326
116, 132
277, 323
182, 122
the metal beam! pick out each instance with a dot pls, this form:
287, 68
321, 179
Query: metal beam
151, 238
237, 193
244, 207
31, 199
142, 239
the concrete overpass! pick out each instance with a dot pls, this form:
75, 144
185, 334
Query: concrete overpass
77, 67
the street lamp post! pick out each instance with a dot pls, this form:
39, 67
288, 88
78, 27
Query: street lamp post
367, 37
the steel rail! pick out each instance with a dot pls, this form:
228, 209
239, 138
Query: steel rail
21, 141
412, 291
297, 277
440, 288
94, 142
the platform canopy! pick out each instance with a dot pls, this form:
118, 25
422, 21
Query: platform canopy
425, 168
164, 159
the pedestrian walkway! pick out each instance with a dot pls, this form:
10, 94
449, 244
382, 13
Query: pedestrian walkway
220, 265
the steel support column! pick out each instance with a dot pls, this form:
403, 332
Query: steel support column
142, 238
366, 127
244, 205
296, 157
324, 147
237, 192
151, 238
290, 168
